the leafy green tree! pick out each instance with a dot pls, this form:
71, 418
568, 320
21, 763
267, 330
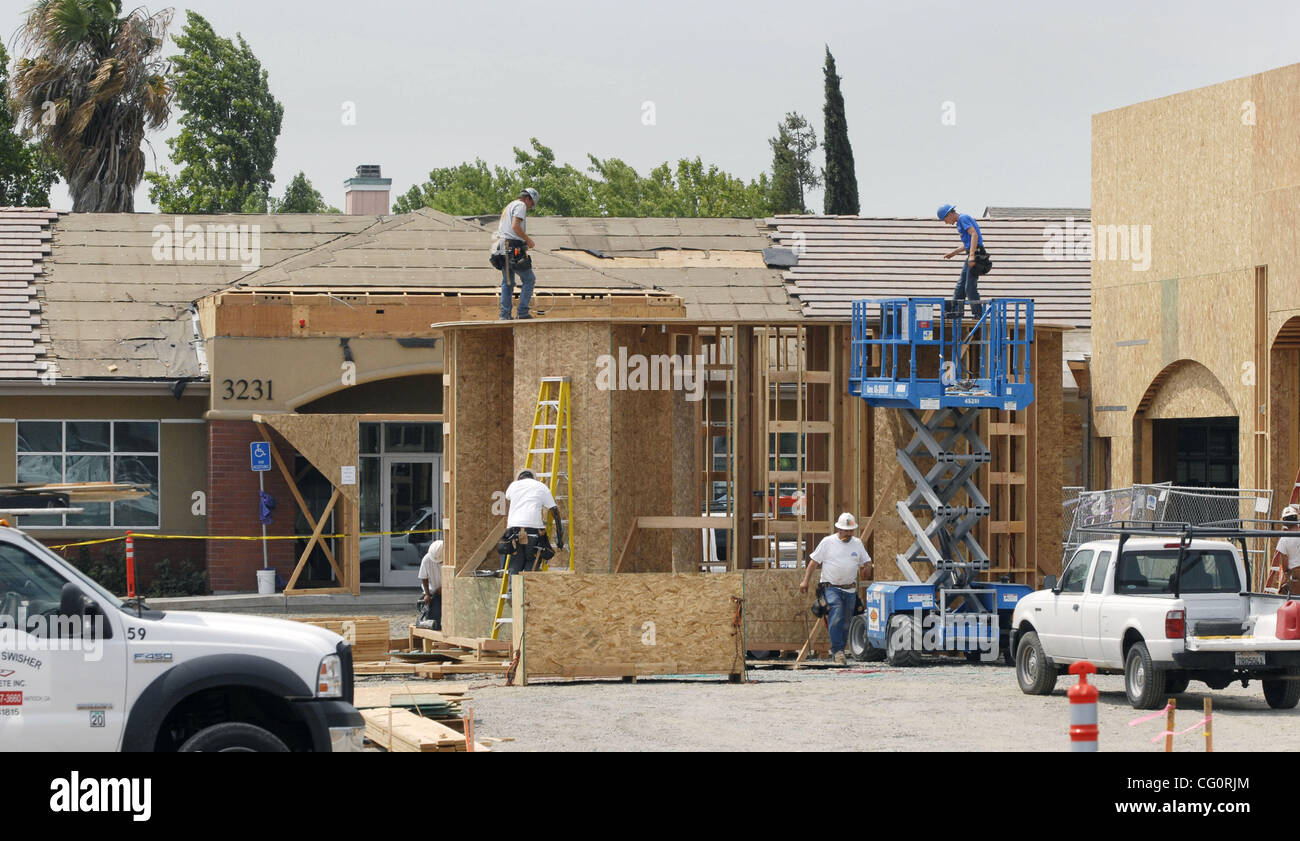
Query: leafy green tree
26, 172
610, 187
463, 190
301, 197
226, 146
90, 84
841, 197
793, 172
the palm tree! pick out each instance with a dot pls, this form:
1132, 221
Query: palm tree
90, 85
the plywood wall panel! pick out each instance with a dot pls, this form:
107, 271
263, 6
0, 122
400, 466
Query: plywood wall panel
571, 350
583, 625
481, 434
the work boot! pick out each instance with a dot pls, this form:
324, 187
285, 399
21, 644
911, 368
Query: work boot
839, 658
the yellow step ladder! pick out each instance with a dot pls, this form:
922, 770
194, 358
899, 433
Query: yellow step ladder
550, 458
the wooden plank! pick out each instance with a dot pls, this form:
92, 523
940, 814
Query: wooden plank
402, 731
681, 522
471, 643
627, 544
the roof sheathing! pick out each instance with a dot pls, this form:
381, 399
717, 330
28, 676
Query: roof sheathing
24, 247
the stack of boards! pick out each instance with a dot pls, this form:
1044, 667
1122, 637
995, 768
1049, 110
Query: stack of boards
368, 636
401, 721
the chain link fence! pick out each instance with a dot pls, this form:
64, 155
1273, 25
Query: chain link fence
1168, 503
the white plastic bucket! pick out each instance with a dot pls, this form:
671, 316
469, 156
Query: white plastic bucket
266, 582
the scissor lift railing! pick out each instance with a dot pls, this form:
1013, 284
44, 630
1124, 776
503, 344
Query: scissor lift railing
909, 354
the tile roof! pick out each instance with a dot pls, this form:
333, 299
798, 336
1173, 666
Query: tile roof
24, 248
844, 258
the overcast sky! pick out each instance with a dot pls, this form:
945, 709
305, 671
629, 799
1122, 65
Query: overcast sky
437, 83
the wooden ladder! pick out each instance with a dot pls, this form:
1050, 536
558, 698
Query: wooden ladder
550, 458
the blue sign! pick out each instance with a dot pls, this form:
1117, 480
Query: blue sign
260, 453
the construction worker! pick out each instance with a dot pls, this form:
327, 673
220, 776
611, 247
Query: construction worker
431, 584
840, 558
525, 541
972, 242
510, 253
1289, 549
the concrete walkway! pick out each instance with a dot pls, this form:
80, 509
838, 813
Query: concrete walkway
370, 601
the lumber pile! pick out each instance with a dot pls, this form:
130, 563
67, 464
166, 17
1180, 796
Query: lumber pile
368, 636
456, 655
402, 731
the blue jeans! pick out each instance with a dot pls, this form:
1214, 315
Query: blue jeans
967, 288
841, 604
527, 279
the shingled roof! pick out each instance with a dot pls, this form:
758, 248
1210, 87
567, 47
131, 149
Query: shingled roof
843, 258
112, 308
24, 248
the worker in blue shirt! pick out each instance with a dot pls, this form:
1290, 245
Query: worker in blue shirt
972, 243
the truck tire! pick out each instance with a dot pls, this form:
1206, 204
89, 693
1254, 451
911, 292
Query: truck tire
1035, 672
1283, 694
860, 647
234, 737
1144, 685
1176, 683
898, 641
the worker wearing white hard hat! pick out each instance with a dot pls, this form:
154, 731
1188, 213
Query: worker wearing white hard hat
510, 247
1289, 549
840, 559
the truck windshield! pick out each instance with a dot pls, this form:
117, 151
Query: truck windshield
1204, 571
86, 582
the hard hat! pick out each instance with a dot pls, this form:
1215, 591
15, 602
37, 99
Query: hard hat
945, 209
1291, 512
846, 521
530, 192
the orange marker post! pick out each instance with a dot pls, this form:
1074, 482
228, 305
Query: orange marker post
1083, 710
130, 566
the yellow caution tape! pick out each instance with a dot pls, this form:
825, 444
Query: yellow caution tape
151, 536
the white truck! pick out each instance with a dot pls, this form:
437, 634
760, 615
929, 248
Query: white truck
80, 670
1129, 607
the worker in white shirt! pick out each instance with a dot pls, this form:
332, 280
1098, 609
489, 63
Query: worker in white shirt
1288, 548
525, 541
840, 558
431, 583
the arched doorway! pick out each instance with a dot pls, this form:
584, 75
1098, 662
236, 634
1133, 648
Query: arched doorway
1187, 430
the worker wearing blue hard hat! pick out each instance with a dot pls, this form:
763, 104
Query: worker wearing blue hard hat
977, 260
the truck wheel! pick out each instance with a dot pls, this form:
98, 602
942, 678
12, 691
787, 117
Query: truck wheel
1035, 673
898, 641
234, 737
1144, 685
1283, 694
860, 647
1176, 683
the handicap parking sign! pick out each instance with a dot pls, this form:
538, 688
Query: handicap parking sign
260, 452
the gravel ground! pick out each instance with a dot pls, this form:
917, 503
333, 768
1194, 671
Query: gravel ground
945, 705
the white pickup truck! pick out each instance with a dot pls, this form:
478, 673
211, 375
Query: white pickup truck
82, 671
1134, 616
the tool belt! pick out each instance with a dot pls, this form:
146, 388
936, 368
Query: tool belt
513, 250
983, 262
534, 543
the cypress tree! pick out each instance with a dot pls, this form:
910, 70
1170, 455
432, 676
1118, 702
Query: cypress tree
783, 193
841, 197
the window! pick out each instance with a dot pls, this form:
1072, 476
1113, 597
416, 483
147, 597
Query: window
1099, 574
1077, 574
1213, 571
28, 586
93, 451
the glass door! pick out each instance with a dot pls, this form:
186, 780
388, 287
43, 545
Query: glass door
411, 509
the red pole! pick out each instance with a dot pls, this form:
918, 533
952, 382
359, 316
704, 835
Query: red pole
1083, 709
130, 566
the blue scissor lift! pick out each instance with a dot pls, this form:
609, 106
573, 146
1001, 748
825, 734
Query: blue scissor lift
940, 372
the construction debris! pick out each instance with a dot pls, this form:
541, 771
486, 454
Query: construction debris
402, 731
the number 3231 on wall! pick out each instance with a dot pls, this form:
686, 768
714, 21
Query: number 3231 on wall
246, 390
